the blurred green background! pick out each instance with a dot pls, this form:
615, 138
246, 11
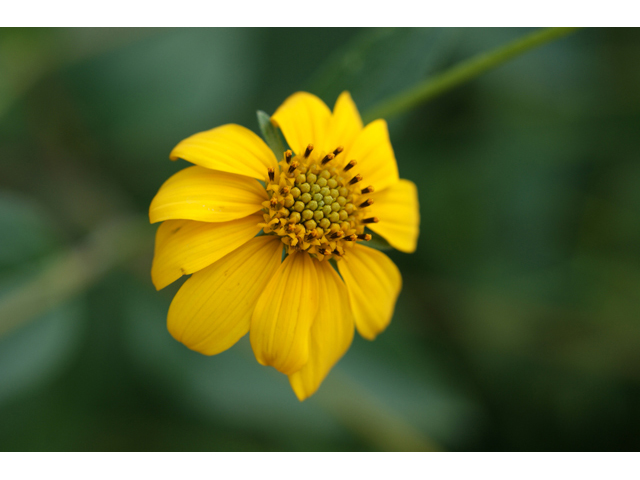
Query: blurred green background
518, 327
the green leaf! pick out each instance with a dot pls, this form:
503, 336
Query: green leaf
271, 134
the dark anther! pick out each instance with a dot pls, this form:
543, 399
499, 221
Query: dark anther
350, 165
271, 174
287, 156
355, 179
338, 150
370, 220
368, 202
308, 151
292, 167
369, 189
364, 236
327, 158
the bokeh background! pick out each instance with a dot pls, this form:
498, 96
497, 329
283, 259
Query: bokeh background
518, 327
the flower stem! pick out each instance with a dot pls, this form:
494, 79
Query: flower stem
463, 72
365, 415
71, 272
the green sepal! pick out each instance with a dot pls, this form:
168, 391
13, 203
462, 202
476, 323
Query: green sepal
377, 241
334, 265
271, 134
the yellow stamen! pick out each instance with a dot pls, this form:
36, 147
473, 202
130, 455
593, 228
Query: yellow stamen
313, 207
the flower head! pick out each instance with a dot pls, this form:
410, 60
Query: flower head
228, 219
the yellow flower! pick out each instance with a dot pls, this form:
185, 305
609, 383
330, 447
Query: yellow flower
315, 203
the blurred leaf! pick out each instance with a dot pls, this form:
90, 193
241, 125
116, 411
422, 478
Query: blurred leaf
31, 355
380, 62
71, 272
38, 352
517, 326
231, 387
25, 231
466, 70
27, 55
387, 403
141, 101
410, 383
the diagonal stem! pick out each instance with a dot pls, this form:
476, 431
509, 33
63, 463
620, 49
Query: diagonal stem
462, 73
71, 272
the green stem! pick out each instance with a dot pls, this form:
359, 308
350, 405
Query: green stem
463, 72
69, 273
360, 411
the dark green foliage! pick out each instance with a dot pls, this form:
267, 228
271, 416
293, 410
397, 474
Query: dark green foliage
518, 324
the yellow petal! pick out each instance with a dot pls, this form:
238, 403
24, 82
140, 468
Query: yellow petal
197, 193
345, 124
229, 148
186, 246
376, 161
399, 215
284, 313
303, 119
331, 333
373, 282
212, 310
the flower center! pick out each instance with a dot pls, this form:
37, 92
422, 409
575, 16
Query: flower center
316, 205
